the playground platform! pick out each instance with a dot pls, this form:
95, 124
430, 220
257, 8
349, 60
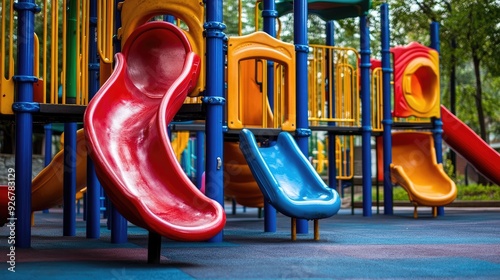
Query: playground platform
463, 244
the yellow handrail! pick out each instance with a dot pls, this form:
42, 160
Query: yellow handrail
376, 97
344, 151
105, 29
256, 15
256, 20
83, 52
64, 56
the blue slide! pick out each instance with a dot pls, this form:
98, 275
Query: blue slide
287, 179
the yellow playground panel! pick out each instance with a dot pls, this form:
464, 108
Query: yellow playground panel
137, 12
248, 50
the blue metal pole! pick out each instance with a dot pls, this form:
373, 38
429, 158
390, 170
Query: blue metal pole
169, 18
200, 157
387, 121
214, 99
332, 170
48, 144
118, 222
69, 175
366, 116
301, 48
92, 205
48, 148
118, 226
438, 123
23, 108
269, 15
69, 178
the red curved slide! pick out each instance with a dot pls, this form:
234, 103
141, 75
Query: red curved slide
126, 132
466, 142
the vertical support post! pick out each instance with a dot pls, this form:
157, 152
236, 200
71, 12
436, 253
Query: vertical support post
387, 120
118, 226
23, 108
200, 156
92, 205
332, 170
169, 18
269, 15
69, 175
437, 122
154, 247
316, 229
301, 48
48, 148
214, 100
118, 222
366, 116
48, 144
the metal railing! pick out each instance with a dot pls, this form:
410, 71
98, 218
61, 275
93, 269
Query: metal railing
333, 86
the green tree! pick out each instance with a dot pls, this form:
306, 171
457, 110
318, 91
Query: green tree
470, 32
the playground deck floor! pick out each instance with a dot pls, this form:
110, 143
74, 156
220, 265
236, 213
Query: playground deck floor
463, 244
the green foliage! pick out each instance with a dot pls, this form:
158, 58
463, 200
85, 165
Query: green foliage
399, 194
472, 192
470, 32
478, 192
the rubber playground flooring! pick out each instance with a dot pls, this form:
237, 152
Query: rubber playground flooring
463, 244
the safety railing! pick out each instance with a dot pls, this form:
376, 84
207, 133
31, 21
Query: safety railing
54, 53
50, 53
344, 156
334, 86
105, 29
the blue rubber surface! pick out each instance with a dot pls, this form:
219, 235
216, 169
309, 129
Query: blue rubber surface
463, 244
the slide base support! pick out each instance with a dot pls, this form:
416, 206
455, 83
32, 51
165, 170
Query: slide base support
316, 229
154, 248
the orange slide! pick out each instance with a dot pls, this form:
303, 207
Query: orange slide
47, 187
415, 168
